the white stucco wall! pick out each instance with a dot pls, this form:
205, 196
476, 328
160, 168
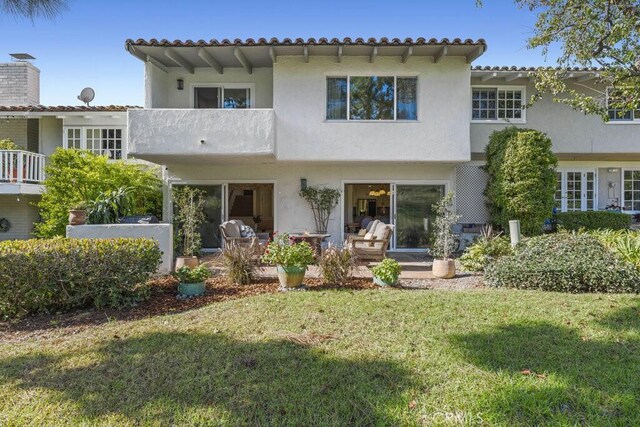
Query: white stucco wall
20, 213
292, 213
184, 132
441, 132
161, 233
569, 130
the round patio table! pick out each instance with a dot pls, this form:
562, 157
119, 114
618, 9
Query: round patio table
313, 239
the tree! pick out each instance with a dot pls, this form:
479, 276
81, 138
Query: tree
522, 179
189, 215
590, 33
322, 201
76, 176
33, 8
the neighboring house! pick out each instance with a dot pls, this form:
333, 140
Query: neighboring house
38, 130
394, 124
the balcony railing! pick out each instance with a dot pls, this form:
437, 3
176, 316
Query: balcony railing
21, 167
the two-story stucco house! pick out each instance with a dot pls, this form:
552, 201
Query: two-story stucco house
38, 130
394, 124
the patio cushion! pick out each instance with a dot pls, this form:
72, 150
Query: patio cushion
246, 231
231, 229
381, 232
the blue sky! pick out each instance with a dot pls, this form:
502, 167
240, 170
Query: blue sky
85, 45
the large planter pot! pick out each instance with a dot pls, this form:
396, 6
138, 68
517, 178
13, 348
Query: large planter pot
444, 268
291, 277
380, 282
191, 289
77, 217
187, 261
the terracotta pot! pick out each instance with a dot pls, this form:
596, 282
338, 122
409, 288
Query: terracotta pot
187, 261
291, 277
77, 217
443, 268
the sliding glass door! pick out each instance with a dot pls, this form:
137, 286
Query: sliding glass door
213, 208
414, 213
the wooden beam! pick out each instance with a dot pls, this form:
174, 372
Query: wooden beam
487, 77
475, 54
441, 54
172, 55
273, 54
374, 54
209, 59
243, 60
306, 54
407, 53
340, 54
154, 61
512, 77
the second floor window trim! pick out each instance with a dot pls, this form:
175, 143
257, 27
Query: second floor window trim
619, 116
494, 104
108, 141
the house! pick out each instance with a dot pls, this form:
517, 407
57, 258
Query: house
394, 124
38, 130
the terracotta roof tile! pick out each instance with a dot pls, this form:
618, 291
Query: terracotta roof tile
66, 108
308, 42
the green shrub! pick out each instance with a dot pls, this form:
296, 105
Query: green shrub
336, 265
239, 264
284, 251
388, 270
522, 178
593, 220
49, 275
625, 243
192, 275
484, 251
76, 176
563, 262
110, 206
8, 144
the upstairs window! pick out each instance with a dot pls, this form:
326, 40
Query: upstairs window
222, 97
102, 141
370, 98
495, 103
618, 114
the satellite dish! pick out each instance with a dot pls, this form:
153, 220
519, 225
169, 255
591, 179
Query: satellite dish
87, 95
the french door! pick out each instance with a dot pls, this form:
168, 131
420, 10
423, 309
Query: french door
576, 190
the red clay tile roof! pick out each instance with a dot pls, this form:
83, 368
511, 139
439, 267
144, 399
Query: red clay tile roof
515, 68
311, 41
65, 108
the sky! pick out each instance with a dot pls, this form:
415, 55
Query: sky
84, 46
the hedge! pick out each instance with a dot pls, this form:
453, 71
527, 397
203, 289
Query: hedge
51, 275
564, 262
593, 220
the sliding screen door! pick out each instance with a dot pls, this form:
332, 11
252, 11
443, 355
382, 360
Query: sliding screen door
414, 214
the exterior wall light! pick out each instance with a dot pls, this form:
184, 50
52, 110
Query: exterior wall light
180, 84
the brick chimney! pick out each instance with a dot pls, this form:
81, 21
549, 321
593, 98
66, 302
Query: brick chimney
19, 83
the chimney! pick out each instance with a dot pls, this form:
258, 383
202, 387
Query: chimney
19, 81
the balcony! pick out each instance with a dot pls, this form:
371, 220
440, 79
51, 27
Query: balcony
21, 172
198, 134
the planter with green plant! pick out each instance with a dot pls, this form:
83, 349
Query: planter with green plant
189, 216
386, 273
78, 214
290, 258
191, 280
110, 206
444, 241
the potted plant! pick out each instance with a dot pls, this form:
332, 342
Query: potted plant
110, 206
444, 265
386, 273
78, 214
322, 201
290, 258
189, 216
191, 280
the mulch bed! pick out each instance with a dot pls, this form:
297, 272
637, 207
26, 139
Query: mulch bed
162, 301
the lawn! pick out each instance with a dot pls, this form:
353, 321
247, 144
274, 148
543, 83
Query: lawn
372, 357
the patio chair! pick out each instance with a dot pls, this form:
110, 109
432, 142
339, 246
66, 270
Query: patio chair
374, 244
231, 235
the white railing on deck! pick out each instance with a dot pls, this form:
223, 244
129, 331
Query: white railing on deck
23, 167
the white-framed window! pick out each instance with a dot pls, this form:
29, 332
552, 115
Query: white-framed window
631, 189
576, 190
230, 95
498, 103
106, 141
372, 98
618, 115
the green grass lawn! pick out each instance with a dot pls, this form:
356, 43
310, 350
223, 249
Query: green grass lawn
394, 357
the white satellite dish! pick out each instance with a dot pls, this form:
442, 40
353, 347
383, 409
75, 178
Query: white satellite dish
87, 95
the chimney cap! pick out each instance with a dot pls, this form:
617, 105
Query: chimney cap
21, 57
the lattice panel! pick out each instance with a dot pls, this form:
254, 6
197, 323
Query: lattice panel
470, 201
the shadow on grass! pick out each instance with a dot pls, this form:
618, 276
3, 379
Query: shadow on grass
178, 378
546, 373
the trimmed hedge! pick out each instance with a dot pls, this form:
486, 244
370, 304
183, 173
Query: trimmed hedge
564, 262
593, 220
51, 275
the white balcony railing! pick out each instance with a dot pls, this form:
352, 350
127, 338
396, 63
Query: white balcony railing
21, 167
